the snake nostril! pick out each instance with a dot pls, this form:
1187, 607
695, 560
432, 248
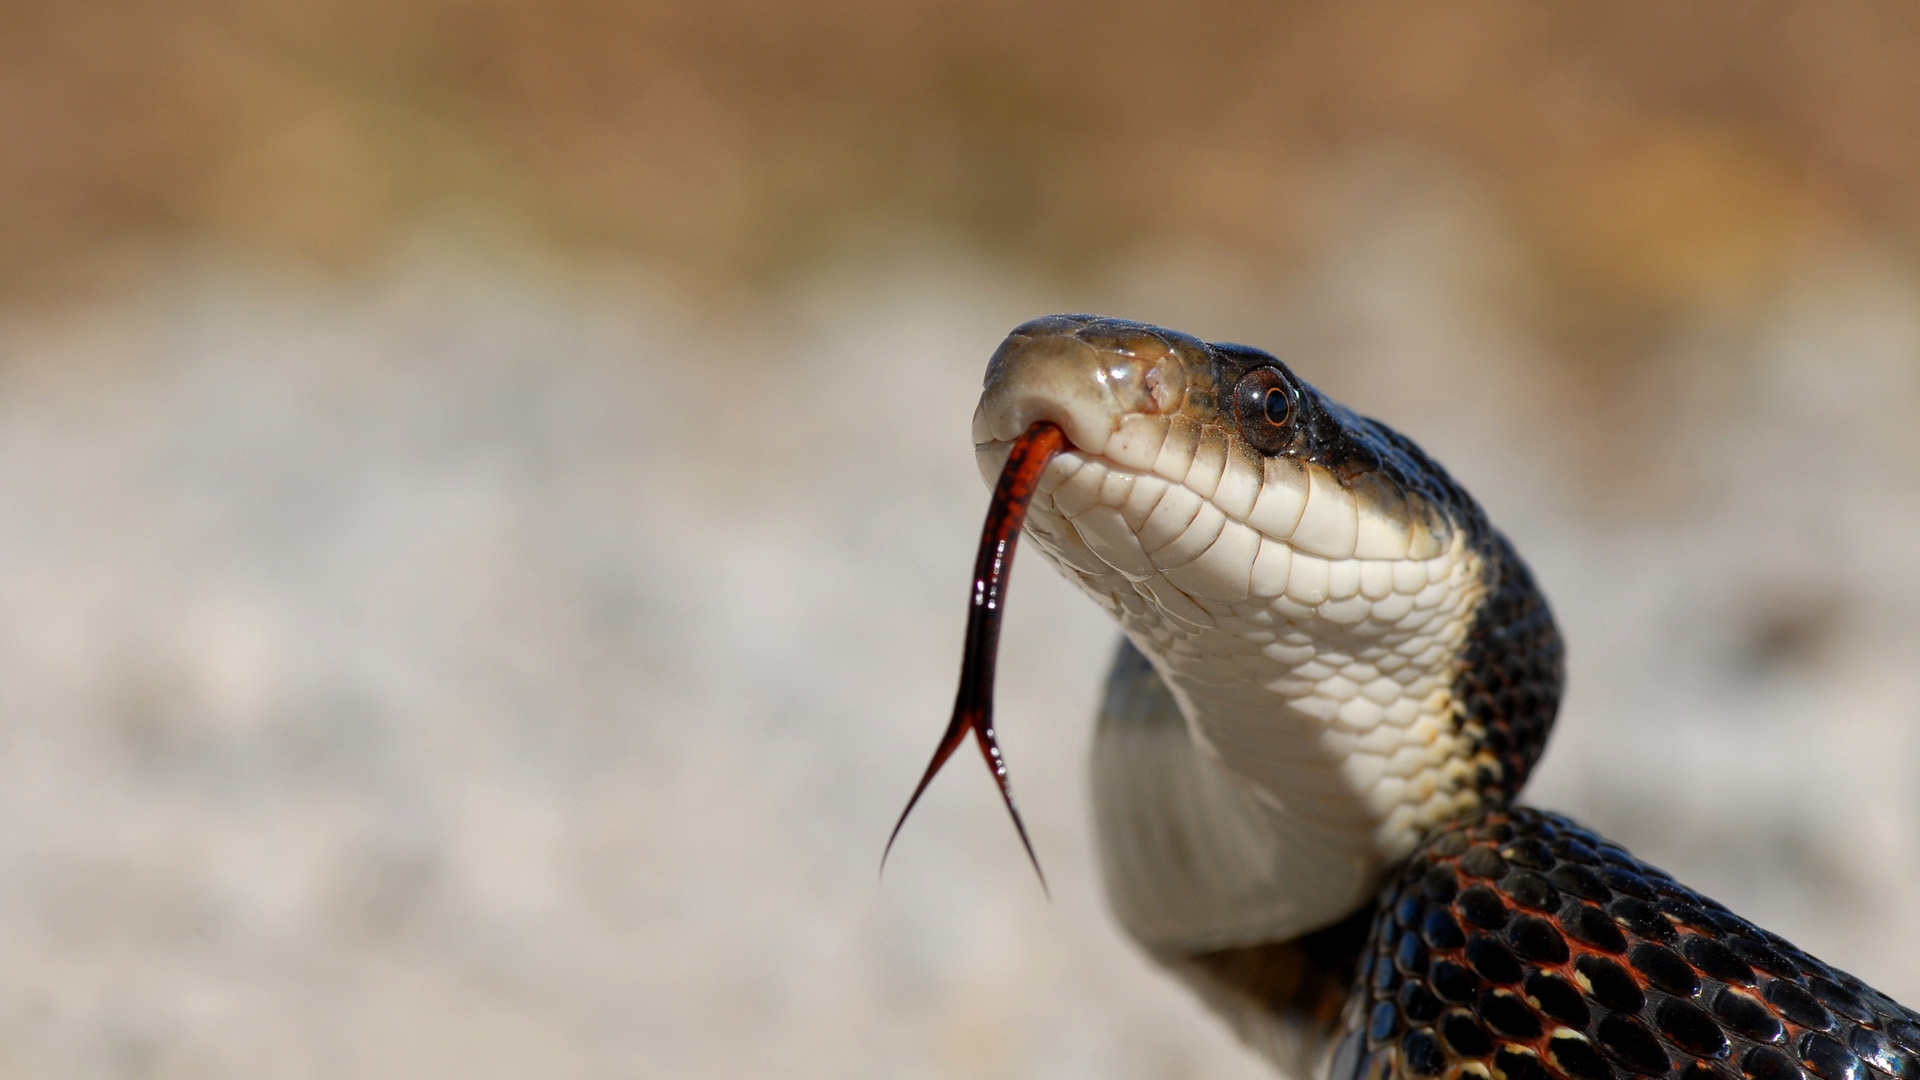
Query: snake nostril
1163, 391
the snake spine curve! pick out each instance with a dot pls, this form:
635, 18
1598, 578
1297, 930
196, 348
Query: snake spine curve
1335, 679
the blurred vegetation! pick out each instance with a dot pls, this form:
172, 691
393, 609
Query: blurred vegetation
1656, 156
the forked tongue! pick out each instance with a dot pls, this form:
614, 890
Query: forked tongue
973, 704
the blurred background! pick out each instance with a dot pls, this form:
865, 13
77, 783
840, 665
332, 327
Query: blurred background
485, 500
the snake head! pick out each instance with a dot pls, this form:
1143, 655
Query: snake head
1244, 440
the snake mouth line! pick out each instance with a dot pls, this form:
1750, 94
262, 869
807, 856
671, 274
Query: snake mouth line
973, 702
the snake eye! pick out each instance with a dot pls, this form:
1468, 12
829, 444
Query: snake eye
1262, 406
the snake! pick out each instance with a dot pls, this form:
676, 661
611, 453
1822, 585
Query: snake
1334, 679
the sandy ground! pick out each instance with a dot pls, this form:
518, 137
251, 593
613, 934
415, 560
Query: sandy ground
492, 669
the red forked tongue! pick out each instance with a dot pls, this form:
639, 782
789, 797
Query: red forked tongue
973, 705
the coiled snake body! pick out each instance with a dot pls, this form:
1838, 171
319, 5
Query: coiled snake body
1335, 680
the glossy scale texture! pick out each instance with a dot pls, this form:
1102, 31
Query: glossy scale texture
1518, 945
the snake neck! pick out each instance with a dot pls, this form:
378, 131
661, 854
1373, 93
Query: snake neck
1261, 762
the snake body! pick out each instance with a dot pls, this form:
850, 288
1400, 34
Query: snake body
1336, 678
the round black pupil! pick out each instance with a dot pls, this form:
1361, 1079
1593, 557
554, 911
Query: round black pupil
1276, 405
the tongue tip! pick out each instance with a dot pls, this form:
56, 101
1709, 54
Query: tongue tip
997, 765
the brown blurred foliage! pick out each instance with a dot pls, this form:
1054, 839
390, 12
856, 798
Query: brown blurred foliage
1656, 155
